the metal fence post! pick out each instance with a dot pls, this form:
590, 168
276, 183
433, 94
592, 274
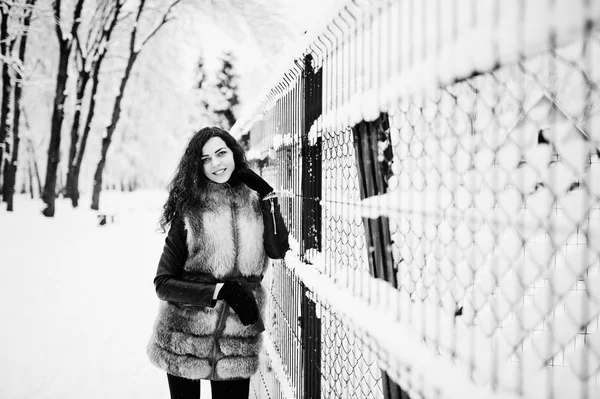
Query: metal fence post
311, 165
373, 160
311, 339
311, 226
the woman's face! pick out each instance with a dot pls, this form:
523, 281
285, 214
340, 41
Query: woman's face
217, 160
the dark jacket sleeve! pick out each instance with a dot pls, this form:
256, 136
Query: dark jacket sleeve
169, 284
275, 236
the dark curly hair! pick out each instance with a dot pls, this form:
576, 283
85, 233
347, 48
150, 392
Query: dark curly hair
189, 179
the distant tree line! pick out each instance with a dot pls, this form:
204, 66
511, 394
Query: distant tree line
84, 31
66, 67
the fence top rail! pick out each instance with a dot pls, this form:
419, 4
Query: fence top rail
290, 64
376, 52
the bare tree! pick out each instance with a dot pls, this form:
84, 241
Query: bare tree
10, 169
89, 61
133, 53
65, 43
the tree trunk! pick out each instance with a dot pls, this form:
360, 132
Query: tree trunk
82, 81
6, 177
11, 168
60, 183
86, 132
98, 174
110, 130
12, 171
58, 113
30, 176
73, 184
4, 105
36, 169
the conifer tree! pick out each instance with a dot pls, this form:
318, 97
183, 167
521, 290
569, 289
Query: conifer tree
228, 89
219, 94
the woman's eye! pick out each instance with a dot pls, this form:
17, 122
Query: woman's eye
205, 160
222, 153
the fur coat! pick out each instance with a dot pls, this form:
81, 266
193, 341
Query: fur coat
224, 239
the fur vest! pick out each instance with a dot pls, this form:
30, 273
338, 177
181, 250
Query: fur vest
225, 242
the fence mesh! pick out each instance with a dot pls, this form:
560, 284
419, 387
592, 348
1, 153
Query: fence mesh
509, 174
284, 339
458, 198
349, 367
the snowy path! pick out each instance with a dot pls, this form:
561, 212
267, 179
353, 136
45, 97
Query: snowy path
77, 301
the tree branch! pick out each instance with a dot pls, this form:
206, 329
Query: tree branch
103, 28
97, 19
56, 9
125, 16
136, 25
76, 19
166, 18
79, 56
107, 15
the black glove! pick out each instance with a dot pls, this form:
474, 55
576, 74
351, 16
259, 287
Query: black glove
252, 180
241, 302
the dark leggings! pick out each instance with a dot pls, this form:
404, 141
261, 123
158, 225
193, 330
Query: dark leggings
182, 388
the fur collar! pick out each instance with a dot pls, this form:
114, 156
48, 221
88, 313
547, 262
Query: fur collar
225, 233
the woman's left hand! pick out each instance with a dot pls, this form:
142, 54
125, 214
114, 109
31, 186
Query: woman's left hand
252, 180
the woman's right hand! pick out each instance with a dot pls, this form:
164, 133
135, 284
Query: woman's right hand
252, 180
240, 301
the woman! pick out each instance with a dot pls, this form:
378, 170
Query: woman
225, 223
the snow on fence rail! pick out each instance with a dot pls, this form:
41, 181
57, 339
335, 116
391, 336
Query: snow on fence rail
443, 160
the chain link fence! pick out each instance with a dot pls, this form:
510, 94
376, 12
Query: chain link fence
439, 164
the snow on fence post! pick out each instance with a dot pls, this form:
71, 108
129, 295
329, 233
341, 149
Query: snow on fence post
492, 202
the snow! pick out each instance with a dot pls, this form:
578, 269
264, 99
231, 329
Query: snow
381, 325
277, 367
77, 300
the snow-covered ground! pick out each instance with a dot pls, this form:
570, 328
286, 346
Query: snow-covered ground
77, 301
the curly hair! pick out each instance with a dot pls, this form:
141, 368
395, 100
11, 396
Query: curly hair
189, 180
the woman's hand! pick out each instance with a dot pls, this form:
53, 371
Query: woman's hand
250, 179
240, 301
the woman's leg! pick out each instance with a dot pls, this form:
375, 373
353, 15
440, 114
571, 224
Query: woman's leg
233, 389
182, 388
